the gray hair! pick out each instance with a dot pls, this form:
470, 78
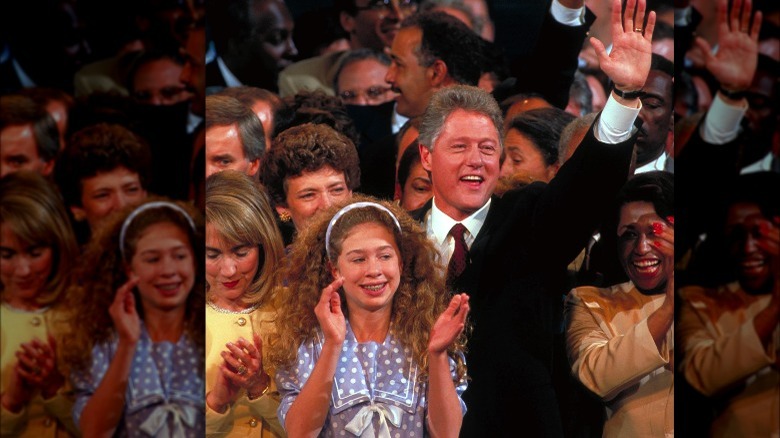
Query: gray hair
222, 110
576, 125
465, 97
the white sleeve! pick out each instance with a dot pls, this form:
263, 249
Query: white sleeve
616, 121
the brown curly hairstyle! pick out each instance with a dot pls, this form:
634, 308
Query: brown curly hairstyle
417, 303
307, 148
103, 270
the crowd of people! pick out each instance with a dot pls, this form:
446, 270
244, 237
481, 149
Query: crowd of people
434, 218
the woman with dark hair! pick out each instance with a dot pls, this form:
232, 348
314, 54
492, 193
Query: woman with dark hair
620, 339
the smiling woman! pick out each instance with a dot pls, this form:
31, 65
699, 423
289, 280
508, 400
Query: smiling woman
243, 254
620, 339
37, 251
143, 338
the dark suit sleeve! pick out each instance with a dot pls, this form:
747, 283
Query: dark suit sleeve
549, 69
569, 210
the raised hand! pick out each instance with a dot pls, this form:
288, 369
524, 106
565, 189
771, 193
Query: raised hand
449, 325
628, 64
769, 241
329, 315
735, 63
664, 241
123, 312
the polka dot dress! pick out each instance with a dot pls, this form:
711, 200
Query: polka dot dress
367, 374
165, 389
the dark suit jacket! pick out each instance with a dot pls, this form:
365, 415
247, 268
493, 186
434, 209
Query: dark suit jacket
214, 77
515, 268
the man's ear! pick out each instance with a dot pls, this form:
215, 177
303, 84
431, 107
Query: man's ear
438, 74
78, 213
48, 168
254, 166
347, 22
425, 158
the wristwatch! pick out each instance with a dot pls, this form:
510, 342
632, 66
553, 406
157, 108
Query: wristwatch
628, 94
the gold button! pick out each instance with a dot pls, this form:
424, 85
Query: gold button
253, 423
242, 321
47, 422
35, 321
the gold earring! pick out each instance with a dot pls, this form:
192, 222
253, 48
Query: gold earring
284, 216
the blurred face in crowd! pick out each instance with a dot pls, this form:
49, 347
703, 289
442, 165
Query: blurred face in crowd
363, 83
193, 75
107, 192
522, 156
20, 151
272, 35
657, 114
59, 112
753, 264
158, 83
376, 22
464, 163
642, 261
165, 265
230, 268
25, 267
224, 150
311, 192
265, 113
417, 189
406, 76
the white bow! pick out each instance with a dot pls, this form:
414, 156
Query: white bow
157, 425
361, 424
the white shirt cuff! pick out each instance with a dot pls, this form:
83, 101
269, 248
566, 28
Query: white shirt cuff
616, 121
721, 124
567, 16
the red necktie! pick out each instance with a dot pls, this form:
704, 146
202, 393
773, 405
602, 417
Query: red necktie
459, 254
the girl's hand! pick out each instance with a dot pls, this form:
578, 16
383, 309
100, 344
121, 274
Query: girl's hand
38, 366
244, 368
329, 315
123, 312
449, 325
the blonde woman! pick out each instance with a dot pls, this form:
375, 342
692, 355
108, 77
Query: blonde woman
37, 251
243, 253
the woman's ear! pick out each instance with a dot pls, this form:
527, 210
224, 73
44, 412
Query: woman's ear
334, 270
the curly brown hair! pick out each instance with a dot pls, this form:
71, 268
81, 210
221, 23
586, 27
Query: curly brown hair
417, 303
103, 270
307, 148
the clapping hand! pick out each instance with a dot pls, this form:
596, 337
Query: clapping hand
37, 366
449, 325
628, 64
329, 315
664, 241
735, 63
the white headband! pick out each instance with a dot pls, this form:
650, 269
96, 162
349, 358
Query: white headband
349, 207
143, 208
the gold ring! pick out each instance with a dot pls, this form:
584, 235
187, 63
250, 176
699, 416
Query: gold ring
638, 29
241, 370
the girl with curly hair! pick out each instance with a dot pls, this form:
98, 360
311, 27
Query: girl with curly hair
368, 342
136, 347
37, 251
243, 253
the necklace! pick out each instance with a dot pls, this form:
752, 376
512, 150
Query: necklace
233, 312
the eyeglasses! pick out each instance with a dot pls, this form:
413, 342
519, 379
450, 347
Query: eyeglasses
372, 94
387, 6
